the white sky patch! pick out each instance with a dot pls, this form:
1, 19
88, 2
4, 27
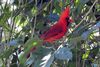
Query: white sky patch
19, 55
10, 20
13, 7
8, 1
47, 60
96, 34
18, 29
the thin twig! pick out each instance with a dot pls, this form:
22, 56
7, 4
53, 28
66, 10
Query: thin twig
83, 63
12, 28
76, 56
33, 29
1, 30
81, 20
44, 7
51, 6
86, 14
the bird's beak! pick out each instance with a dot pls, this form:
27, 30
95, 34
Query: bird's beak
71, 20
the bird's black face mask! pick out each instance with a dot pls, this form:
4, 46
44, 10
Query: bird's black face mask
68, 21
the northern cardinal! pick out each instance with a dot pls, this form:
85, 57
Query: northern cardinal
59, 29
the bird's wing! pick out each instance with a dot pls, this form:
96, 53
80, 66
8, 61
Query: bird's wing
58, 36
52, 31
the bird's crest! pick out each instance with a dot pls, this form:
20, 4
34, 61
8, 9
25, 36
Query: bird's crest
65, 13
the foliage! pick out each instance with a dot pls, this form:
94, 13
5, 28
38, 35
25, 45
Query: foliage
23, 21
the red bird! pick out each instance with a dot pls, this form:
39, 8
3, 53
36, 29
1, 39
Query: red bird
58, 30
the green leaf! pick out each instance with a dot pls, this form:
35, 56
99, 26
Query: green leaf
40, 53
85, 56
7, 52
77, 2
3, 20
71, 64
39, 25
57, 7
33, 42
84, 1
